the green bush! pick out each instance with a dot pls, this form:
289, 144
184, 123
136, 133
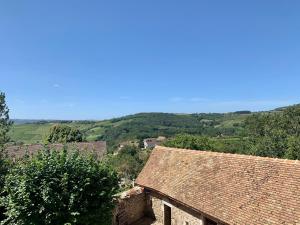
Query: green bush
4, 168
129, 161
293, 150
5, 122
63, 134
275, 134
57, 188
190, 142
194, 142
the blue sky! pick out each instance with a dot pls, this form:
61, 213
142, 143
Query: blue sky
100, 59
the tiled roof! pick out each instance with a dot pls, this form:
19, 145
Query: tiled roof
97, 147
236, 189
151, 140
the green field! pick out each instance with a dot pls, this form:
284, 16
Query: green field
29, 133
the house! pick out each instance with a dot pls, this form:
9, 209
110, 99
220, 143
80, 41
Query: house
187, 187
152, 142
18, 151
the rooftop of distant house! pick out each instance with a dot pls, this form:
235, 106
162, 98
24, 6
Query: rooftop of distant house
151, 142
235, 189
18, 151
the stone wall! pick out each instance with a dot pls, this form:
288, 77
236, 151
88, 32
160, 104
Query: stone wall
178, 216
137, 203
130, 207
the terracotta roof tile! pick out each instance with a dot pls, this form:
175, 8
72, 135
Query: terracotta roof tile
97, 147
236, 189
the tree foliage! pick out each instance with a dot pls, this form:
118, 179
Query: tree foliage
190, 142
58, 188
61, 133
275, 134
271, 134
293, 148
5, 125
129, 161
195, 142
5, 122
145, 125
4, 168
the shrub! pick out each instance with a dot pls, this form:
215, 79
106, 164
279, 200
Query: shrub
293, 151
58, 188
63, 134
129, 161
4, 168
190, 142
5, 122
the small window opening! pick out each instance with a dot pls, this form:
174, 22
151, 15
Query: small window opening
210, 222
167, 215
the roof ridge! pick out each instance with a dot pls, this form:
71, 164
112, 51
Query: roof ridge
233, 155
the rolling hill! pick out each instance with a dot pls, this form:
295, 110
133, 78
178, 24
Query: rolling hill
143, 125
137, 126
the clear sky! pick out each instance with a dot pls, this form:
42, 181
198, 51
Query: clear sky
69, 59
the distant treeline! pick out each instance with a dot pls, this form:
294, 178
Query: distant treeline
271, 134
146, 125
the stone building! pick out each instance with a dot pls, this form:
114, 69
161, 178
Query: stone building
152, 142
186, 187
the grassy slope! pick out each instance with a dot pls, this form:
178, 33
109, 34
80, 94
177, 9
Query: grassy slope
29, 133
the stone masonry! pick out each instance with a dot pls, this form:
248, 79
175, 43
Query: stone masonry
138, 205
178, 216
130, 208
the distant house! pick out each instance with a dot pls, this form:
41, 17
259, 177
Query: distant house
186, 187
18, 151
152, 142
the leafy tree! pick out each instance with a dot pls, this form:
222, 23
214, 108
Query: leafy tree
291, 120
4, 168
63, 134
238, 145
58, 188
129, 161
275, 134
190, 142
5, 123
228, 145
293, 150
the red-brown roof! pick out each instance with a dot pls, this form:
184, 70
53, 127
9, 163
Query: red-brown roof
97, 147
236, 189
